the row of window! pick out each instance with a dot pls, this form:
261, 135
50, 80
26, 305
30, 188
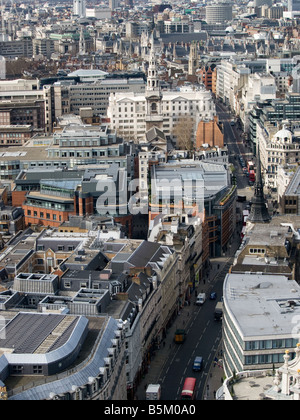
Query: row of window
287, 343
69, 248
257, 251
42, 215
264, 359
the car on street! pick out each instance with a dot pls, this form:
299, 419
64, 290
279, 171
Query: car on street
213, 296
198, 364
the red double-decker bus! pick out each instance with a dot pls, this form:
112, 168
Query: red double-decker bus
188, 390
251, 171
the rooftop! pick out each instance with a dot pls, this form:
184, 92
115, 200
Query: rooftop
294, 186
27, 333
270, 302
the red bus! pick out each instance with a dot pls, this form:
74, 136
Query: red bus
251, 170
252, 176
188, 390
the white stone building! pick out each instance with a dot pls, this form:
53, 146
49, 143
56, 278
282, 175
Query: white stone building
279, 149
132, 114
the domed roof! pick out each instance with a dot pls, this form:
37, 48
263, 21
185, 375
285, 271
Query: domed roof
284, 134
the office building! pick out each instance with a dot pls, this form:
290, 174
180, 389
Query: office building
133, 114
259, 310
290, 199
293, 5
79, 8
218, 12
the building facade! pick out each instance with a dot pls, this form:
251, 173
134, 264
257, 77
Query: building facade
133, 114
257, 299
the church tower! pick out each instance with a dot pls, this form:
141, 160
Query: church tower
82, 49
259, 211
193, 59
153, 95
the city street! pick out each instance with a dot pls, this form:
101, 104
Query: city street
174, 362
236, 148
203, 339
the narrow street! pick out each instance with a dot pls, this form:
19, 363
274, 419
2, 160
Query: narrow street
174, 362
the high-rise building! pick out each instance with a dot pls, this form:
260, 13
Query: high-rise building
293, 5
79, 8
113, 4
259, 3
218, 12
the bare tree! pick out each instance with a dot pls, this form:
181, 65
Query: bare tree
183, 131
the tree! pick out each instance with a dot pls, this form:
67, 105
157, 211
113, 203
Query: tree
183, 131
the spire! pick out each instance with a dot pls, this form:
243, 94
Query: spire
153, 95
152, 79
259, 211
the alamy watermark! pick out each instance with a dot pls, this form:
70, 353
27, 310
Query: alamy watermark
175, 195
296, 327
2, 328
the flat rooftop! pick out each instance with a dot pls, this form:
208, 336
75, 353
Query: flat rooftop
262, 305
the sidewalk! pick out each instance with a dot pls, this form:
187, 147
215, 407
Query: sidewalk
169, 348
215, 377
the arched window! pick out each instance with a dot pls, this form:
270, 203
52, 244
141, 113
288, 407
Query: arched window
153, 107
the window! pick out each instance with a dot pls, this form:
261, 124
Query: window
17, 369
37, 369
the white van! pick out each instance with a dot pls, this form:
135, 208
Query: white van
153, 392
201, 298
